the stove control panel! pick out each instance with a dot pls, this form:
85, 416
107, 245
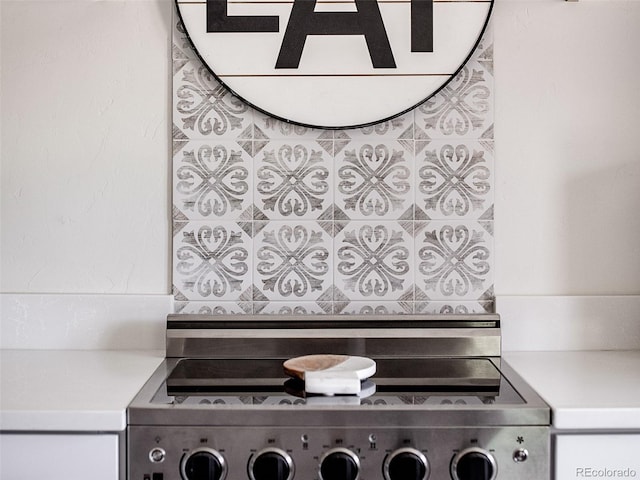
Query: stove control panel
334, 453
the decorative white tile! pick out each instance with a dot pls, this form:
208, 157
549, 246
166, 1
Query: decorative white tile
465, 107
390, 129
293, 180
374, 180
454, 179
336, 226
212, 179
378, 308
211, 261
293, 260
203, 108
289, 308
280, 130
454, 260
374, 260
484, 52
209, 308
456, 308
181, 49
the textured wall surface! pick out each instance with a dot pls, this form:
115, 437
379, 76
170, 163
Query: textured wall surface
568, 162
271, 217
84, 144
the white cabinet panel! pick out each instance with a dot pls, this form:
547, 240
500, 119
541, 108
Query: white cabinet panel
600, 456
58, 457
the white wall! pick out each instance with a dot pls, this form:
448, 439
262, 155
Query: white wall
567, 147
85, 146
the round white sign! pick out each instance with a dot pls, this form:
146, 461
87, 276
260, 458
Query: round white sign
334, 63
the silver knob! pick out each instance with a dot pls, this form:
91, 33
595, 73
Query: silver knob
339, 464
157, 455
474, 463
203, 464
520, 455
271, 463
406, 464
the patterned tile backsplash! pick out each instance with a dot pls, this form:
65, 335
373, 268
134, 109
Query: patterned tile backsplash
270, 217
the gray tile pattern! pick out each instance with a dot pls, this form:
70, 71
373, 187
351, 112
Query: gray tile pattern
293, 260
293, 179
212, 180
270, 217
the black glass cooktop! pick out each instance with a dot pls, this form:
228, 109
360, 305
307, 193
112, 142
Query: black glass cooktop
398, 381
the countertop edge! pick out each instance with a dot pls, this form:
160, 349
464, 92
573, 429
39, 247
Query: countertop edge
580, 388
113, 421
71, 390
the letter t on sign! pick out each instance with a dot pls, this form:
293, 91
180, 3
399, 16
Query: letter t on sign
422, 25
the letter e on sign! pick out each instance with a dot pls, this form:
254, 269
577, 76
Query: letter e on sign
334, 63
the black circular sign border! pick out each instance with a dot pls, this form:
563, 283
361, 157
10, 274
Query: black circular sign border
349, 127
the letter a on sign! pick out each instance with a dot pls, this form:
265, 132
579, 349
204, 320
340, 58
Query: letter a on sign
366, 21
334, 63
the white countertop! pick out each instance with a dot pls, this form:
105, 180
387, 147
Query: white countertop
74, 390
586, 389
71, 390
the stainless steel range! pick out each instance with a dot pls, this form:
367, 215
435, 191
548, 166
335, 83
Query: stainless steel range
442, 404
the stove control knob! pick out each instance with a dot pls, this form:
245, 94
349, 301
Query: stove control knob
203, 464
406, 464
271, 464
339, 464
474, 464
